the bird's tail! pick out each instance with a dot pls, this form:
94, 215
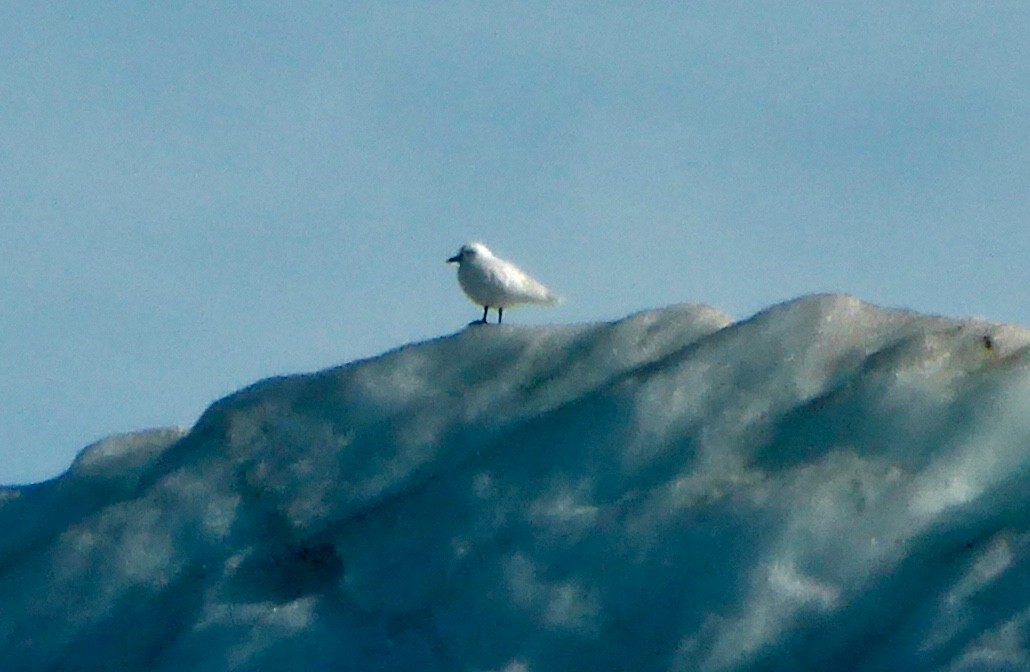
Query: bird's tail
552, 299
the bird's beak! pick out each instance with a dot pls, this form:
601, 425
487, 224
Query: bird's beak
456, 259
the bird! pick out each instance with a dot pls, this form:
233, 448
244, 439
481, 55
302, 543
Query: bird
492, 282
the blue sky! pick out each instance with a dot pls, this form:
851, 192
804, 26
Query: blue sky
198, 197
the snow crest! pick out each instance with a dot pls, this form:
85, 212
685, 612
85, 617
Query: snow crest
826, 485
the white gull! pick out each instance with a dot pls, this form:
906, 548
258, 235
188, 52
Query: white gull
492, 282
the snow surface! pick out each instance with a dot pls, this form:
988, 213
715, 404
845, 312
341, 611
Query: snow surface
827, 485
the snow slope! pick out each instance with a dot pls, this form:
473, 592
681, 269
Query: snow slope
827, 485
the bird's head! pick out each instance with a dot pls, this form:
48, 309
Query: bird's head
470, 252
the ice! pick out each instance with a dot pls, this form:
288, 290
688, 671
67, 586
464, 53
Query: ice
826, 485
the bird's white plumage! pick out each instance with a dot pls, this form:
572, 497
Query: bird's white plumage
492, 282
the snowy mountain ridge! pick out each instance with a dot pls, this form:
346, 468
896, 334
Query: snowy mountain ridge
826, 485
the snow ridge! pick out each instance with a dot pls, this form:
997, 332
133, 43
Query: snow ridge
826, 485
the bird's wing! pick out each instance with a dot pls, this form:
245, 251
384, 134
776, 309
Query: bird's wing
518, 282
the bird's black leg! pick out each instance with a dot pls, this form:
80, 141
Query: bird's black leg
485, 308
500, 312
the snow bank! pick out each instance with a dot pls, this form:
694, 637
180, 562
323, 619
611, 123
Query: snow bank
827, 485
